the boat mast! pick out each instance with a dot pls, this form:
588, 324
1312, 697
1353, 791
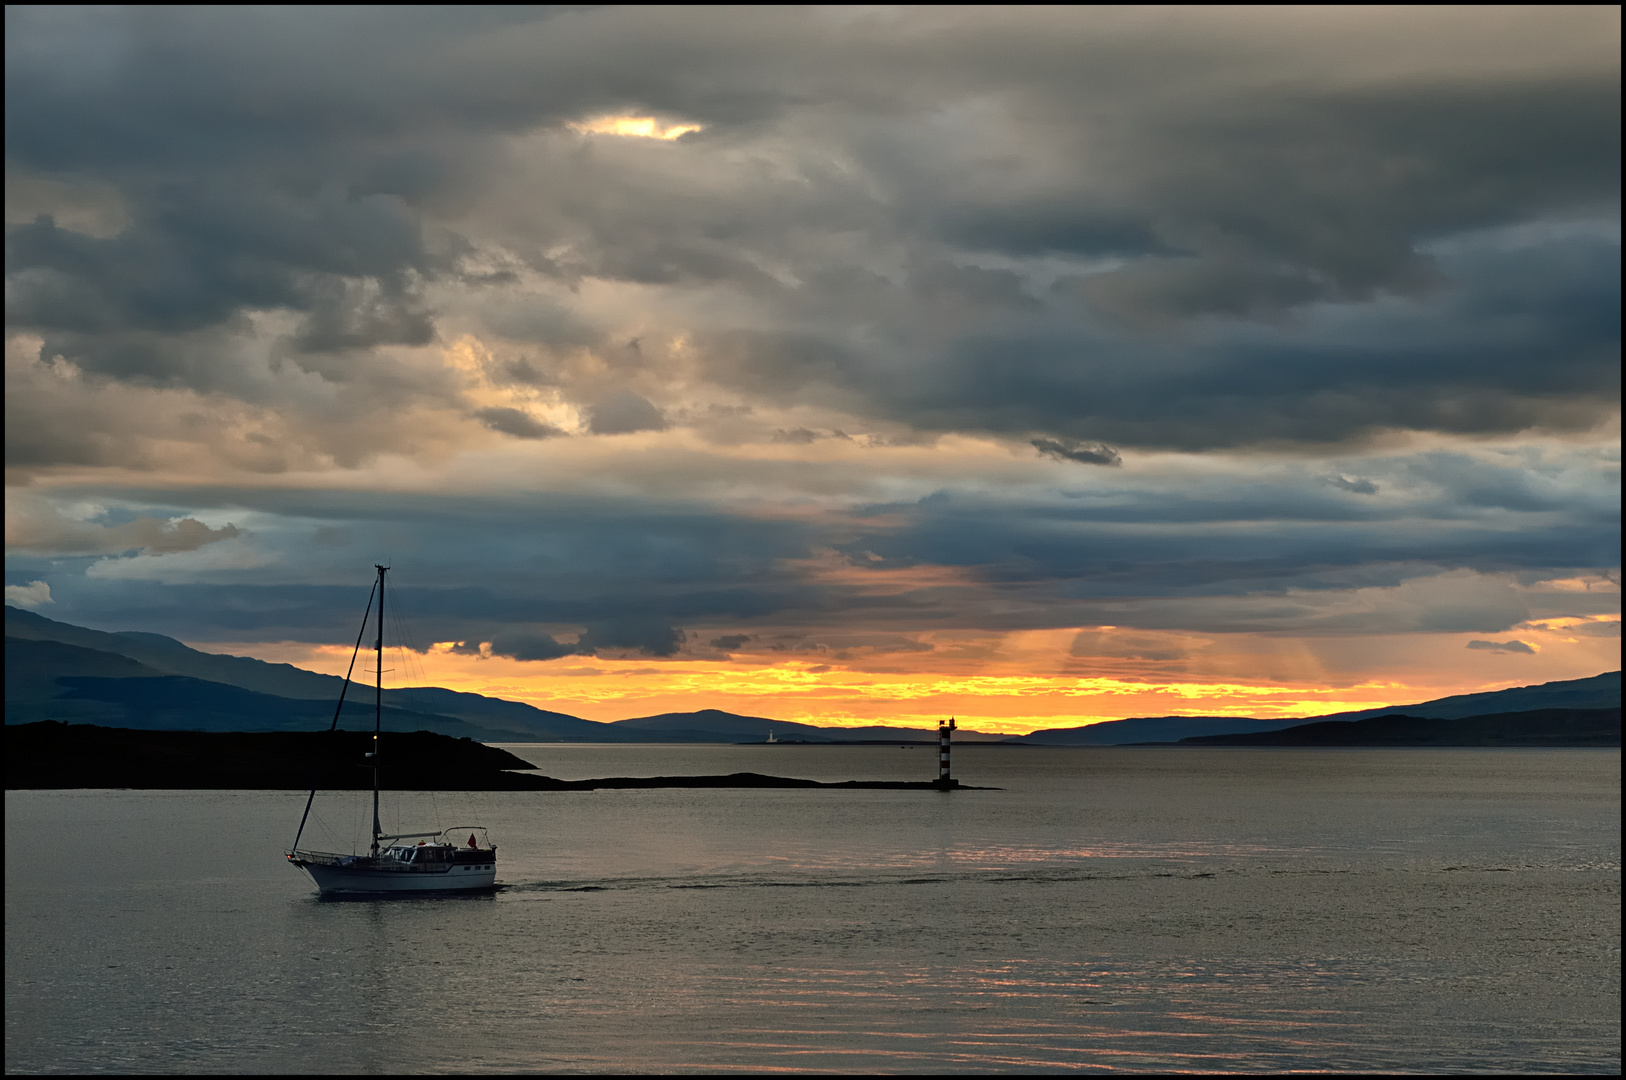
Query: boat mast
337, 709
378, 701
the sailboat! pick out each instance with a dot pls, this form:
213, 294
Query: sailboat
420, 862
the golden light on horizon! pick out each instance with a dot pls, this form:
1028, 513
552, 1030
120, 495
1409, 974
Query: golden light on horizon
1009, 682
832, 695
642, 127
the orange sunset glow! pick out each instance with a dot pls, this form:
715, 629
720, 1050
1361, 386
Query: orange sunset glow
1009, 696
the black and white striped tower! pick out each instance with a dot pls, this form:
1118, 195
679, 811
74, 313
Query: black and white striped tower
944, 781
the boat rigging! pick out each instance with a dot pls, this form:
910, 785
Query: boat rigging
438, 862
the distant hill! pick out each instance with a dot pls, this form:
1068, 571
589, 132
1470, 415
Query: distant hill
714, 725
501, 721
48, 680
170, 657
58, 671
1145, 729
524, 723
32, 670
1536, 727
43, 683
1595, 692
177, 703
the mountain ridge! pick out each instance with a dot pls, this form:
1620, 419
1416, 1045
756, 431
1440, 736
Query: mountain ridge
503, 720
1601, 691
758, 727
102, 683
1533, 727
1145, 729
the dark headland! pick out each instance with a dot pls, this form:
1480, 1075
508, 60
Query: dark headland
1533, 727
51, 754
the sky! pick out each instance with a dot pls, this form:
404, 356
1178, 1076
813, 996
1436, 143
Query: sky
858, 365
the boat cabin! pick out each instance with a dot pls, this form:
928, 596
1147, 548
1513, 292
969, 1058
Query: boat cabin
422, 854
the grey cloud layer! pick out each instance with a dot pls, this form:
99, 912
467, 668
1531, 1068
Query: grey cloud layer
1072, 225
256, 237
548, 577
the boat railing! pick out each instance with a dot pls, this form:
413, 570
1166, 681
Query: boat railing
333, 858
408, 835
392, 859
455, 837
319, 858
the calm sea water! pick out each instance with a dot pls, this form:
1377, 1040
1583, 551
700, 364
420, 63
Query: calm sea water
1128, 909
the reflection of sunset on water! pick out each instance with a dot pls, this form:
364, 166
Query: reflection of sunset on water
1144, 909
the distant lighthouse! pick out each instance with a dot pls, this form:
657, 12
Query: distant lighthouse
944, 781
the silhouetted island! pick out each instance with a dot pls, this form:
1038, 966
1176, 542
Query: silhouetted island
51, 754
1534, 727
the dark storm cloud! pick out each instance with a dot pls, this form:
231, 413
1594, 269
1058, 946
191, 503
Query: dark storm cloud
518, 646
196, 260
1274, 175
623, 412
638, 635
514, 422
257, 234
1083, 453
244, 189
336, 164
28, 529
1502, 646
1234, 539
542, 578
1526, 335
1355, 486
622, 574
645, 635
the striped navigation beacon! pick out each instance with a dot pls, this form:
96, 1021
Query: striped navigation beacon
944, 781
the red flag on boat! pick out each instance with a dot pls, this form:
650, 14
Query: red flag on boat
471, 841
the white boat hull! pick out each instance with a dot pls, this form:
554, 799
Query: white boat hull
340, 879
404, 868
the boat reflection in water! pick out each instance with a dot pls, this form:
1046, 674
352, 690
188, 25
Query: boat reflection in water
437, 863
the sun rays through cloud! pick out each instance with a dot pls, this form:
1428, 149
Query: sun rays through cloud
640, 127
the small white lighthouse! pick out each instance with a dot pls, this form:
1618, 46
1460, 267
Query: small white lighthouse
944, 781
